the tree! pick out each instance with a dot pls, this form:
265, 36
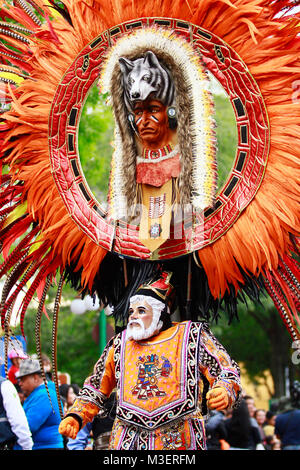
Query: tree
95, 138
77, 351
260, 341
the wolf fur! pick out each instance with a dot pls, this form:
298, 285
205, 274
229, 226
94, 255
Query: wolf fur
128, 140
190, 89
145, 76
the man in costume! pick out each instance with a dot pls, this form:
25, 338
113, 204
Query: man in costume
165, 374
52, 224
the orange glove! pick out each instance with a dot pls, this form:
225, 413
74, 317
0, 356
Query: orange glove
217, 398
69, 427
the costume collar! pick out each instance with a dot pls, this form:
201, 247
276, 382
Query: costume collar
149, 154
162, 335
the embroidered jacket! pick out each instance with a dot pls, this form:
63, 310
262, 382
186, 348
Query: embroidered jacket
161, 385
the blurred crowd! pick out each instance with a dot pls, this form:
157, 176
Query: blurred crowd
30, 415
247, 427
30, 412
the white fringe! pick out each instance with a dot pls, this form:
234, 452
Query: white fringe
202, 125
118, 204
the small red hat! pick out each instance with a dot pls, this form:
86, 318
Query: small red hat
159, 287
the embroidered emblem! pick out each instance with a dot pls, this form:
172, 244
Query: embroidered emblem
173, 437
148, 375
155, 230
168, 409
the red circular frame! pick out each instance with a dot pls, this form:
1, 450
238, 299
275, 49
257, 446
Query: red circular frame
243, 181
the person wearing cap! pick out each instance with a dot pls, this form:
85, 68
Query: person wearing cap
166, 376
42, 414
15, 357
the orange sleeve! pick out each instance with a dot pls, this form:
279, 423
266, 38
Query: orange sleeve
218, 367
97, 388
103, 377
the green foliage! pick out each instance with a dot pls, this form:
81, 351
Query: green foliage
77, 351
95, 143
261, 342
226, 137
246, 341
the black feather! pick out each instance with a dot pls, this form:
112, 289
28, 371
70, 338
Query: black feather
110, 287
61, 8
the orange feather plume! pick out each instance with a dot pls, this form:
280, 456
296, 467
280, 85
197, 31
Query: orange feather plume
267, 42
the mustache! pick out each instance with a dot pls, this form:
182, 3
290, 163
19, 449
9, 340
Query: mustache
137, 321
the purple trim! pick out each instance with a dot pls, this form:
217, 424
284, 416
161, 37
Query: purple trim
183, 381
189, 378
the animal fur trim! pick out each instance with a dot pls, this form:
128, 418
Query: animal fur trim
196, 136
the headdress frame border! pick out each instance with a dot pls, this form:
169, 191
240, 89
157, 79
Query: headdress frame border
248, 167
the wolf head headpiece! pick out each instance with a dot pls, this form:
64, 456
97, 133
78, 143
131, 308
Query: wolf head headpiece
146, 76
157, 62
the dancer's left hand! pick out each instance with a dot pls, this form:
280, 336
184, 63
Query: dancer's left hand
217, 398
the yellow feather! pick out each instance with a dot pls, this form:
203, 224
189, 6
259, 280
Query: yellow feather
12, 76
36, 244
15, 214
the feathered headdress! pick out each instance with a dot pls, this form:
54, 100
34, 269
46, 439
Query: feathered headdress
52, 224
196, 126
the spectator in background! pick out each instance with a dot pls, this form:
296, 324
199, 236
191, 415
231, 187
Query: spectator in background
68, 395
47, 366
269, 426
99, 430
216, 432
76, 388
16, 357
272, 443
251, 405
260, 416
287, 423
275, 444
42, 415
13, 423
241, 434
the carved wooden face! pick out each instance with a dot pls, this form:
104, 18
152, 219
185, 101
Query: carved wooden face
152, 125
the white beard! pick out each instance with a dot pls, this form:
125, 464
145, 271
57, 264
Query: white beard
138, 333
